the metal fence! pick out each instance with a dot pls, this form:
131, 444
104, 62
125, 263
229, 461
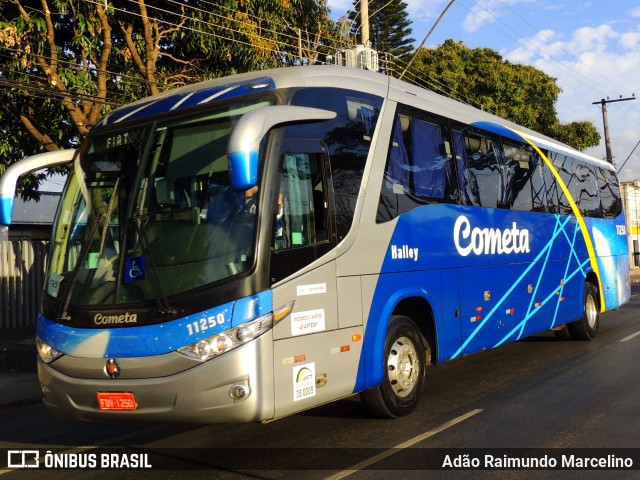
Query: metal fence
22, 265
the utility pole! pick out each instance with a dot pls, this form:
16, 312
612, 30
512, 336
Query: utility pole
364, 22
362, 55
607, 138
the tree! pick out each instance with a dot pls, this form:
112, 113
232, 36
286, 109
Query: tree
389, 26
68, 62
520, 93
580, 134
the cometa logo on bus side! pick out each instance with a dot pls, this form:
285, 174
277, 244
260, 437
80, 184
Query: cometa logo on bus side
485, 241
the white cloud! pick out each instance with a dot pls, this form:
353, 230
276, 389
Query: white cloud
487, 11
541, 44
590, 63
425, 10
556, 7
592, 39
589, 66
630, 40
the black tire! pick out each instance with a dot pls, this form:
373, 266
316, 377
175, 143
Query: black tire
587, 327
406, 354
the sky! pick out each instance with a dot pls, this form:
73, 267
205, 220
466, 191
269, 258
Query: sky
591, 47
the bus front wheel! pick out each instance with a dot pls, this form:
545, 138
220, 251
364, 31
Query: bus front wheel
587, 327
405, 361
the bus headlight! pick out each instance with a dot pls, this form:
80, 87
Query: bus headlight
47, 353
211, 347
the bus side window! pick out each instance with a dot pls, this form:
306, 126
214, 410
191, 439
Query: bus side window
586, 190
524, 178
609, 193
301, 213
563, 165
304, 210
420, 168
479, 170
347, 140
582, 185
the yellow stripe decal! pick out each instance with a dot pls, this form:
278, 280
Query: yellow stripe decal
576, 211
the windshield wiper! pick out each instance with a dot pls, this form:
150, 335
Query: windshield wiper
164, 308
137, 216
84, 252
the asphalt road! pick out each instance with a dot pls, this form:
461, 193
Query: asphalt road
548, 396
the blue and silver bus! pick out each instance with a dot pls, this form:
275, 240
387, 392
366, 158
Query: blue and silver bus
253, 246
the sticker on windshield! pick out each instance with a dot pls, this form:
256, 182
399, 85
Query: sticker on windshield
55, 279
135, 269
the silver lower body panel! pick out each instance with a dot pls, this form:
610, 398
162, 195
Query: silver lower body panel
200, 394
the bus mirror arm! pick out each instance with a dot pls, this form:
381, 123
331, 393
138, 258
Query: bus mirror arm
12, 174
244, 143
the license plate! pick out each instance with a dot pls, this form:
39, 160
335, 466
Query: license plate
117, 401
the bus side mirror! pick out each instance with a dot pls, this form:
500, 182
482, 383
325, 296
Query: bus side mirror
244, 143
9, 178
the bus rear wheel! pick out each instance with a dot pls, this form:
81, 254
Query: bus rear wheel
587, 327
405, 361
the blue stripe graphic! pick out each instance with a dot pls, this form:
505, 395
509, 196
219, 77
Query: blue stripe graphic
150, 340
488, 298
6, 209
184, 98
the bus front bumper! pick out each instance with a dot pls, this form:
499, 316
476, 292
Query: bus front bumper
203, 393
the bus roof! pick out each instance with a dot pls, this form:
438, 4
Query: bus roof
326, 76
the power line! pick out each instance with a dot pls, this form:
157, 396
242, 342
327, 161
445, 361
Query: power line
628, 157
433, 84
607, 140
294, 39
181, 17
54, 93
560, 47
290, 43
72, 64
427, 36
586, 80
534, 48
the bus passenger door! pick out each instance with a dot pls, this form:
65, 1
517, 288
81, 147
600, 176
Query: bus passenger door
304, 223
309, 357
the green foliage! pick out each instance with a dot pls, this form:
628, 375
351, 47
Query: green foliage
581, 134
389, 26
520, 93
59, 73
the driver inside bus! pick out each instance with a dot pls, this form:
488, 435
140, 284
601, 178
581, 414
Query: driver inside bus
225, 203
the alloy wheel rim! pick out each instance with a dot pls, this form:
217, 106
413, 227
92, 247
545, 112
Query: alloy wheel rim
591, 311
403, 367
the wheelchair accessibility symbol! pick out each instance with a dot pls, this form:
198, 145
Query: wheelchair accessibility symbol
135, 269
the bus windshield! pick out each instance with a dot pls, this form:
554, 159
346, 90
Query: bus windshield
148, 213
